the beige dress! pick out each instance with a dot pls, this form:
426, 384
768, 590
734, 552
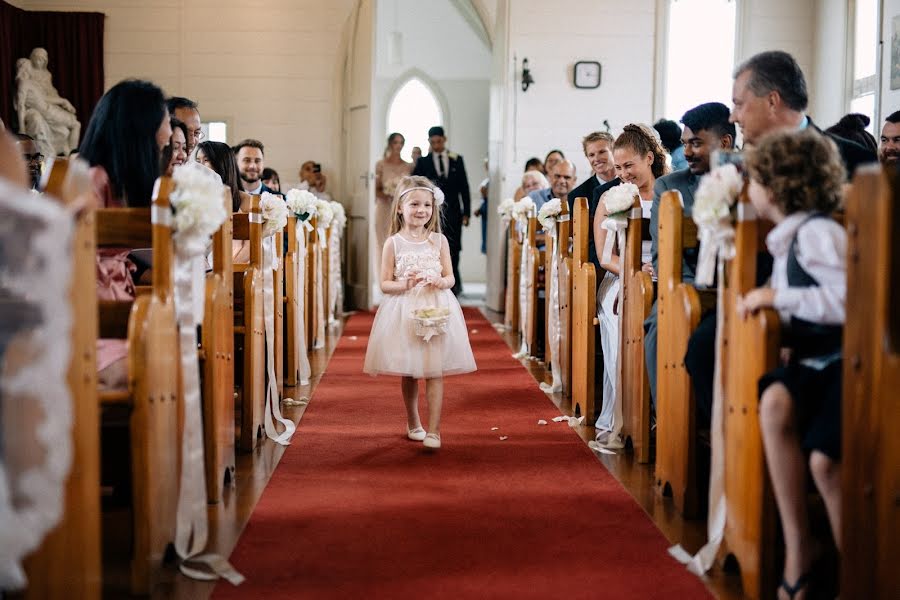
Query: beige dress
387, 175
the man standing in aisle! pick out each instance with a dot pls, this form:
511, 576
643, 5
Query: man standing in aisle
447, 171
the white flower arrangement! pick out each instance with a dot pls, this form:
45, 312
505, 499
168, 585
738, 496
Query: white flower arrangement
302, 203
340, 215
620, 199
716, 194
197, 203
325, 214
505, 210
548, 213
523, 209
274, 213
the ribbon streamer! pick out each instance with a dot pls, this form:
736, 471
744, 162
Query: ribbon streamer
273, 404
192, 526
615, 224
554, 326
319, 334
304, 369
524, 283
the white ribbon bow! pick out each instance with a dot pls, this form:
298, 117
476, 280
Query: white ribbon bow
273, 403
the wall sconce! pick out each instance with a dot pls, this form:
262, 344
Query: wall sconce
527, 79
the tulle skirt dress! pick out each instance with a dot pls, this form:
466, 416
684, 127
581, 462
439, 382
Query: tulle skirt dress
398, 347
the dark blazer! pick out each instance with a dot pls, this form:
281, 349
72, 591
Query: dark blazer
455, 185
592, 211
852, 153
584, 190
685, 182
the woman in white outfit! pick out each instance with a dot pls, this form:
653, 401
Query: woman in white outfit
639, 158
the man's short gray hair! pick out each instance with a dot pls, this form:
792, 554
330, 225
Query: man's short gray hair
776, 71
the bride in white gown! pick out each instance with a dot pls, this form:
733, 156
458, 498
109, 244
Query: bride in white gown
639, 159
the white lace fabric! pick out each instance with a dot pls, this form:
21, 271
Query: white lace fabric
35, 401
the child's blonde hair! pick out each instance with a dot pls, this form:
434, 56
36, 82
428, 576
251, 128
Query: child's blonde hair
407, 183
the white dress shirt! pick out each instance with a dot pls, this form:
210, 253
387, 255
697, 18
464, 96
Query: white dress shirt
441, 167
822, 252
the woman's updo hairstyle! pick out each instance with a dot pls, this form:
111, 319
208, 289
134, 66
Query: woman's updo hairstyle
642, 139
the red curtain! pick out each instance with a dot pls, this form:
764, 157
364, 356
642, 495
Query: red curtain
74, 42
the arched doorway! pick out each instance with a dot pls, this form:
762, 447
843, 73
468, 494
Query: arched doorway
413, 109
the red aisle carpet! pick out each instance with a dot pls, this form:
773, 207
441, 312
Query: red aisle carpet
355, 510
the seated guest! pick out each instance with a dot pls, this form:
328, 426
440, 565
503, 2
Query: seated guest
122, 144
532, 165
795, 182
250, 155
187, 111
853, 127
123, 141
176, 152
889, 150
640, 159
33, 158
416, 154
670, 135
314, 180
553, 157
598, 150
562, 179
218, 157
271, 180
706, 129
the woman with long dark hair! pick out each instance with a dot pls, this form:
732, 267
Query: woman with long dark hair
124, 139
220, 158
388, 172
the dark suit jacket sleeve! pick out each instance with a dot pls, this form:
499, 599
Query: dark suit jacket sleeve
464, 188
852, 154
659, 188
419, 169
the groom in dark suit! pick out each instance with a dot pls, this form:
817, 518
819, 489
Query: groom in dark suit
447, 171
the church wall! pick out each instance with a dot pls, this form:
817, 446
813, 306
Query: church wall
272, 69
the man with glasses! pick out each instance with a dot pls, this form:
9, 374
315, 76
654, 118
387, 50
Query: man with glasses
33, 158
186, 111
562, 180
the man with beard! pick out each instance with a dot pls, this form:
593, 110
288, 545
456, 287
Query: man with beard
889, 149
250, 156
32, 156
706, 129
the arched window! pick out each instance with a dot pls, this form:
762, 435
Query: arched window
413, 110
700, 32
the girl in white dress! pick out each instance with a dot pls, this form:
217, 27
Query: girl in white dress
639, 159
419, 331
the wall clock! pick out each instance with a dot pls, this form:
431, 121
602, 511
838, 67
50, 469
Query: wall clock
587, 74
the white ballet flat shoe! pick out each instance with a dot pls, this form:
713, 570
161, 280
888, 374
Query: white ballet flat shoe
432, 441
416, 435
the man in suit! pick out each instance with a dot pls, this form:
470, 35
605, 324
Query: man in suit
447, 171
250, 157
706, 129
769, 94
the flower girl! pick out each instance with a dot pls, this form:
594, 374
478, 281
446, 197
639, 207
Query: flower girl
419, 331
795, 182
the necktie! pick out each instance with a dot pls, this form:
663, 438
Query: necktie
440, 164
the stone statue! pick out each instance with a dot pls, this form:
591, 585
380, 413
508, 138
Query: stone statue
43, 114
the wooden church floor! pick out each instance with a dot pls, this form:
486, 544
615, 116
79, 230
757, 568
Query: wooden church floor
253, 470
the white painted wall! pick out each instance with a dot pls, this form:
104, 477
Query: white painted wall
272, 69
436, 41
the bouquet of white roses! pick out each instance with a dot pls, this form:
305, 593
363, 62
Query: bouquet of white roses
197, 203
548, 213
339, 215
523, 209
505, 210
620, 199
325, 214
714, 199
274, 213
302, 203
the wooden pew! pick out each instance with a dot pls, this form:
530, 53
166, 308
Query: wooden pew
153, 393
217, 363
291, 304
67, 564
637, 291
530, 318
870, 413
584, 315
565, 271
249, 328
750, 349
513, 263
678, 308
